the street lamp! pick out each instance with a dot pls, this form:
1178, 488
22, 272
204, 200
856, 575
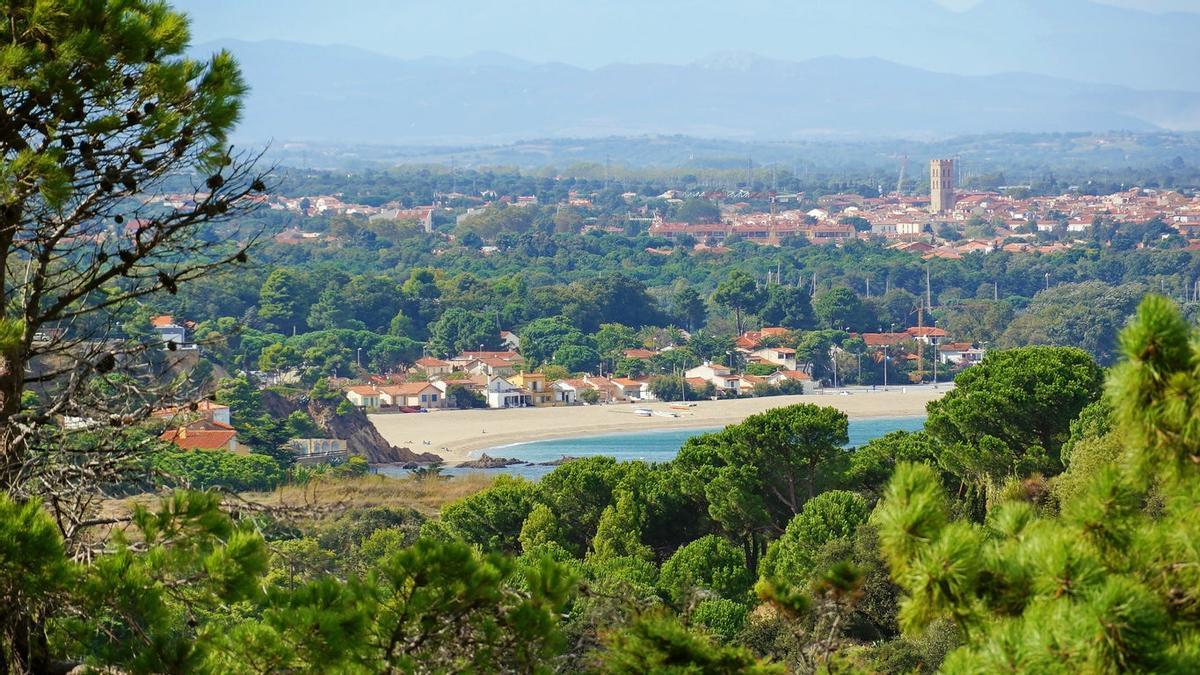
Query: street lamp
358, 358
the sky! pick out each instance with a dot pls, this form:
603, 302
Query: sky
1123, 42
555, 30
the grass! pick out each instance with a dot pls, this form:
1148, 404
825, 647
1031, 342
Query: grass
427, 495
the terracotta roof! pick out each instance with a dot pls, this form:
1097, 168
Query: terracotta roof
363, 390
793, 375
429, 361
638, 353
926, 331
884, 339
200, 439
406, 389
162, 321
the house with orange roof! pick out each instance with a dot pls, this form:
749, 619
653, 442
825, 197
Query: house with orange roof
639, 353
810, 385
884, 339
927, 334
412, 394
535, 383
204, 435
363, 396
432, 366
633, 390
780, 356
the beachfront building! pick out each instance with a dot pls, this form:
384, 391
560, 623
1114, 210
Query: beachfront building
412, 394
633, 390
318, 450
960, 354
363, 396
501, 393
564, 393
535, 383
780, 356
779, 377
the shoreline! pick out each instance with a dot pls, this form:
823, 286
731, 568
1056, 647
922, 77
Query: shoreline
458, 435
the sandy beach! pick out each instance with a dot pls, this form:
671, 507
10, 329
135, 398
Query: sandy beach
459, 435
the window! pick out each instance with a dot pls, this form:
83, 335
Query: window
433, 398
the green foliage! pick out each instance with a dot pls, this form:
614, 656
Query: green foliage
200, 469
840, 309
459, 330
577, 493
492, 518
831, 515
619, 532
1011, 414
708, 565
1108, 586
721, 617
740, 293
660, 644
787, 306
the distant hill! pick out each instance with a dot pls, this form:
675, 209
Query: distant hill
1082, 40
342, 94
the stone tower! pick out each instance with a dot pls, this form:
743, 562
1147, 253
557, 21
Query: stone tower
941, 186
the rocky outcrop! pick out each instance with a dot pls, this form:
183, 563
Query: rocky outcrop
558, 462
487, 462
362, 438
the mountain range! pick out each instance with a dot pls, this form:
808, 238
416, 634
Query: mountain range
306, 92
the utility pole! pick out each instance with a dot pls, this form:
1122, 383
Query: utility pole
928, 292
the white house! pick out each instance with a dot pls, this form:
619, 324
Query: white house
777, 378
363, 396
780, 356
634, 390
415, 394
721, 377
960, 353
565, 393
504, 394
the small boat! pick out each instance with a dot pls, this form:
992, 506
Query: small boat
686, 406
642, 412
663, 413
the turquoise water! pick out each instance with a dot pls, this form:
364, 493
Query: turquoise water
647, 446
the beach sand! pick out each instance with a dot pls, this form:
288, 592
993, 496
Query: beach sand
458, 435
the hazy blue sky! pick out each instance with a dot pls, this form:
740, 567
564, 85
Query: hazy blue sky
565, 30
1128, 42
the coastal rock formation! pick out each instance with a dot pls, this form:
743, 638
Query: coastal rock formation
360, 435
487, 462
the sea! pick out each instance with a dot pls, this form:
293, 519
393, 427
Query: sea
646, 446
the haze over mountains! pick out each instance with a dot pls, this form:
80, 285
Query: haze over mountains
1082, 40
345, 94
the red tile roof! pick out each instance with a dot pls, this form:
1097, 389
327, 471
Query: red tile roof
200, 439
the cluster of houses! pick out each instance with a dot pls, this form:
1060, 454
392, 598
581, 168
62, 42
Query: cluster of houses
493, 375
206, 426
907, 220
497, 377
